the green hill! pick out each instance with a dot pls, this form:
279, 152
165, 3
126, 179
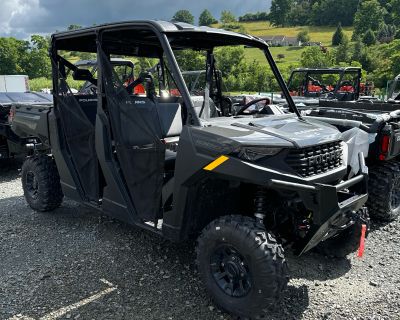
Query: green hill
292, 55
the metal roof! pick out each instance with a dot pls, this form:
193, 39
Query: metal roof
161, 26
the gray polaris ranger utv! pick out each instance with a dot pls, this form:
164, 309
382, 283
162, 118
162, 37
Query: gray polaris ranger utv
181, 166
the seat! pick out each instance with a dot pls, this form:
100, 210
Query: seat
170, 115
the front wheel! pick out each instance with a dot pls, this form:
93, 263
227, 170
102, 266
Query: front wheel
242, 266
41, 183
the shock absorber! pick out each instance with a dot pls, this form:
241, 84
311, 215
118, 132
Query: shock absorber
260, 203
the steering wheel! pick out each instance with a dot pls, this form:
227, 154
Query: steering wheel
251, 103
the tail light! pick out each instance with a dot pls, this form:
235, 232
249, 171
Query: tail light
385, 145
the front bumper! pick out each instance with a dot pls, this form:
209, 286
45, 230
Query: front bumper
334, 208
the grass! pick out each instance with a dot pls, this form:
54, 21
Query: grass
292, 54
317, 34
37, 84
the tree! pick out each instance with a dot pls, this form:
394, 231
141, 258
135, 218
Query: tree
369, 16
386, 33
331, 12
395, 12
74, 27
314, 57
229, 59
9, 56
183, 16
338, 36
299, 14
303, 36
190, 60
279, 12
343, 50
258, 16
36, 61
358, 49
206, 18
369, 38
227, 17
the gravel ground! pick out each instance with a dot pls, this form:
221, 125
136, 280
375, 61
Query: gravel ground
75, 264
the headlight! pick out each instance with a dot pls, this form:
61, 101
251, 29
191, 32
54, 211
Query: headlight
257, 153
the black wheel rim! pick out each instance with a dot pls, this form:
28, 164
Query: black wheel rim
32, 185
230, 271
395, 196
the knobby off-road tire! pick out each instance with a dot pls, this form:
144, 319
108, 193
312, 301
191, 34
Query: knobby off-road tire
242, 266
41, 183
384, 191
346, 242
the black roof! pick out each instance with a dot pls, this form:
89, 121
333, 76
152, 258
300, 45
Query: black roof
119, 38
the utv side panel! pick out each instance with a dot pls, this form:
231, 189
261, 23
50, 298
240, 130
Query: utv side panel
115, 198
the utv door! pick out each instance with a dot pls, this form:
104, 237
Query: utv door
136, 142
73, 137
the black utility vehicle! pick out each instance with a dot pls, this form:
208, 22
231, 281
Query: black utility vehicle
245, 185
10, 143
381, 120
383, 126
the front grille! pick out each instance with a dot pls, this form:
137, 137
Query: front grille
315, 160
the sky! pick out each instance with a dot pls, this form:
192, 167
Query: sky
21, 18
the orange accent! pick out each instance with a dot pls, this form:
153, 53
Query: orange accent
362, 241
217, 162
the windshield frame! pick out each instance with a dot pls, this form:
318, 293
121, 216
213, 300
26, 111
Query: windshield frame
233, 39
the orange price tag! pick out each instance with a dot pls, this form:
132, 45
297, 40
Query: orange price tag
362, 241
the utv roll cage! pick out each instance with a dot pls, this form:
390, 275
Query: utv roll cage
76, 151
181, 36
308, 80
393, 89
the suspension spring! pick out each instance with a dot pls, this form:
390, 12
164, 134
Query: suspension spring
260, 203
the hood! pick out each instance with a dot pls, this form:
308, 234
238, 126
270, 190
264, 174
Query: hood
282, 131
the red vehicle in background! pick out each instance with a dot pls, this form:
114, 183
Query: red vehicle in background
343, 84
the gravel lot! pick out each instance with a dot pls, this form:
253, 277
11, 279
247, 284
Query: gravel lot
75, 264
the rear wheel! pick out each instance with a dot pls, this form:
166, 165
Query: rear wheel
41, 183
242, 266
384, 191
